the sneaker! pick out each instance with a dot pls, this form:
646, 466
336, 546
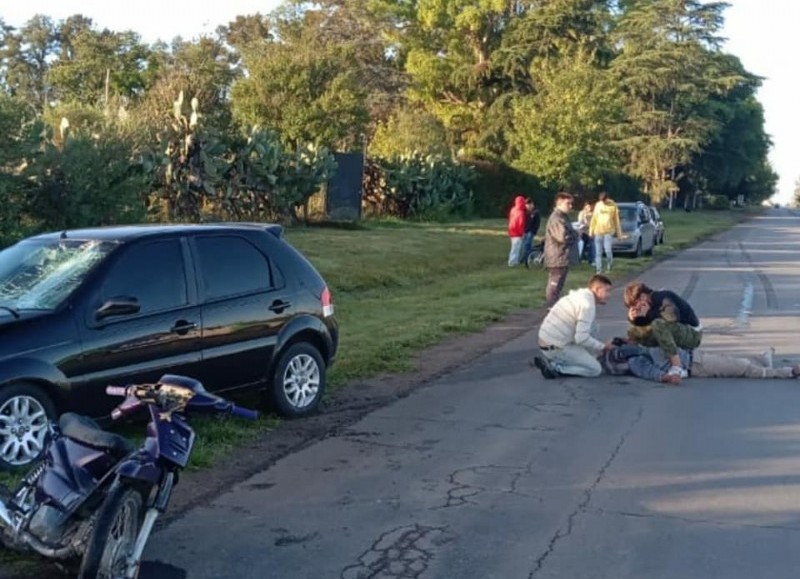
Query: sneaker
543, 364
767, 357
678, 371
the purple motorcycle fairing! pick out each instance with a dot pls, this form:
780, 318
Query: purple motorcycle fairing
72, 472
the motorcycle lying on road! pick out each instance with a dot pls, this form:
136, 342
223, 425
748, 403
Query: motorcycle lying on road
90, 504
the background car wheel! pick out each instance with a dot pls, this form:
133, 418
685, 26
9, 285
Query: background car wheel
652, 249
25, 411
298, 381
638, 252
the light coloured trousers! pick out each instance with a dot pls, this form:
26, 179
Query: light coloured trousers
516, 247
603, 243
574, 361
708, 365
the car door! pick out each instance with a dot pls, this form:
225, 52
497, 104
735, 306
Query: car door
162, 335
648, 228
245, 303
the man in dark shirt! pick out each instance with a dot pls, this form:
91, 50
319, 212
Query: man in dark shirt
664, 319
532, 222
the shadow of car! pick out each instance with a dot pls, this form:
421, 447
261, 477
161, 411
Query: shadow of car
639, 231
232, 305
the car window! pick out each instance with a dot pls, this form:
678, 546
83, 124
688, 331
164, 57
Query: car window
627, 213
40, 274
231, 266
153, 273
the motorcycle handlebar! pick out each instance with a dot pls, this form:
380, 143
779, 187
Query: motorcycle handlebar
245, 413
116, 390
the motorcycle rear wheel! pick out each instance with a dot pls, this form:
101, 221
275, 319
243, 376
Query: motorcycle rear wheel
114, 535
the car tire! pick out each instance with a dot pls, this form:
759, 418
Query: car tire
298, 381
27, 407
651, 251
638, 251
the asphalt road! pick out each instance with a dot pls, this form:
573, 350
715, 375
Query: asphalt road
493, 472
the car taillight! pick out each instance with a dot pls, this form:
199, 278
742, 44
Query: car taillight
327, 302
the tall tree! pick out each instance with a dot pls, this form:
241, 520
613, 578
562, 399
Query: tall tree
25, 59
562, 133
668, 67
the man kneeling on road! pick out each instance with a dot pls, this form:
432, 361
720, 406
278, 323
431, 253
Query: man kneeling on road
653, 364
567, 335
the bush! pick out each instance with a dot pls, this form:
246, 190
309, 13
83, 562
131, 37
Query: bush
416, 186
717, 202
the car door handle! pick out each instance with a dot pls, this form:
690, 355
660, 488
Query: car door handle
279, 305
182, 327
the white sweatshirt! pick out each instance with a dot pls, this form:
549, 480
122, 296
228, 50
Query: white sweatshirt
571, 321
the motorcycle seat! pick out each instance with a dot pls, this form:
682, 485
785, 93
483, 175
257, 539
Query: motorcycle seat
86, 431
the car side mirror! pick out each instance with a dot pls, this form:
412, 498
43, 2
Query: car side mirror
118, 306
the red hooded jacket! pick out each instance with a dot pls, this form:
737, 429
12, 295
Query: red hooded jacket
516, 218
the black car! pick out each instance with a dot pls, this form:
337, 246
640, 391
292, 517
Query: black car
233, 305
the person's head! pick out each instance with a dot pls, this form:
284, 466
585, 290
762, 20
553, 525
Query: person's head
529, 204
635, 293
600, 286
564, 201
602, 196
587, 206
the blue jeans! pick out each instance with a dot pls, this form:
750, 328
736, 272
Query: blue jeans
527, 245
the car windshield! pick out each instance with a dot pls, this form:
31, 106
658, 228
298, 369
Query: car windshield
39, 274
627, 215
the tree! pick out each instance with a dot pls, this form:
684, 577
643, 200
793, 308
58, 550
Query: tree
562, 133
314, 82
96, 66
797, 193
668, 67
25, 59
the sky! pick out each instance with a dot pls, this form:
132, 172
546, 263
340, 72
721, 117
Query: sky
760, 32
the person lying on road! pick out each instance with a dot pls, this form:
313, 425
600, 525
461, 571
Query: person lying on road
653, 364
567, 335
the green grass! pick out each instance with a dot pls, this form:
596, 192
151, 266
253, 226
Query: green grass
399, 287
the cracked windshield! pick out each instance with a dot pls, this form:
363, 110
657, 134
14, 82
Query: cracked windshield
40, 275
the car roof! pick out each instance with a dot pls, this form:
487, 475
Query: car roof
124, 233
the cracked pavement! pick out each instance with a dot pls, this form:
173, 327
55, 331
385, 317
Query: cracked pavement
493, 472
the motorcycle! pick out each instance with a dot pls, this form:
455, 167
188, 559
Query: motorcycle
91, 503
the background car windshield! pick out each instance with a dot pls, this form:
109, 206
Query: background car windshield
628, 216
39, 275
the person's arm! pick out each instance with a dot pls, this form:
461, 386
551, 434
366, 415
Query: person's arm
537, 222
617, 226
557, 230
669, 311
583, 330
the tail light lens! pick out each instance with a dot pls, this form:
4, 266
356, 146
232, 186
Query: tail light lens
327, 302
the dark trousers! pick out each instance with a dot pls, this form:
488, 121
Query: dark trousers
556, 276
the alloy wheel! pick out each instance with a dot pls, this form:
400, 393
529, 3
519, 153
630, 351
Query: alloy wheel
23, 428
301, 380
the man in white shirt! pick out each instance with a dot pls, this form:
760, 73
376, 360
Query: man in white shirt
567, 335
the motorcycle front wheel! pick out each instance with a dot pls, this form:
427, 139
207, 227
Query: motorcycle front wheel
114, 536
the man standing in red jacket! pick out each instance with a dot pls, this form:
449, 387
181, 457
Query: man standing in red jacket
516, 229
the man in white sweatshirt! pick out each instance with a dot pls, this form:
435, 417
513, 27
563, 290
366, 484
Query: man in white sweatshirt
567, 335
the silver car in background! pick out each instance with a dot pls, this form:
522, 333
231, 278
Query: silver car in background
639, 231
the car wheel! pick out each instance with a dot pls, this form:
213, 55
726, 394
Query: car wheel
661, 239
25, 412
638, 252
298, 381
652, 249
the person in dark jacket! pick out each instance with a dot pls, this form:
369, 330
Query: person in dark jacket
516, 229
532, 222
662, 318
560, 247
